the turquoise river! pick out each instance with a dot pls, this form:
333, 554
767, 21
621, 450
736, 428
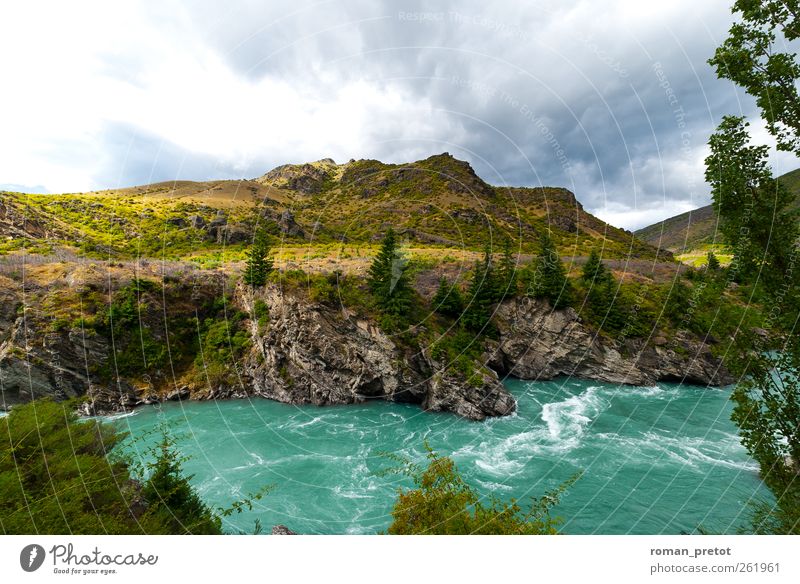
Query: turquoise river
662, 459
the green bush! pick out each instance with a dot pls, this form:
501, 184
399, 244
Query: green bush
58, 476
442, 503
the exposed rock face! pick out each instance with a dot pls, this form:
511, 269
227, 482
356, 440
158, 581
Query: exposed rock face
310, 353
36, 362
233, 233
288, 225
537, 342
305, 178
314, 354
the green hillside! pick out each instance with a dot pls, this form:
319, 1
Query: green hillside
438, 202
697, 229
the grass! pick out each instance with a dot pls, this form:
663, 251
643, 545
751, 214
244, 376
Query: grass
698, 257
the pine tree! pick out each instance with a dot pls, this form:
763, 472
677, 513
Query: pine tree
712, 263
506, 273
481, 295
388, 280
448, 300
549, 279
594, 271
259, 264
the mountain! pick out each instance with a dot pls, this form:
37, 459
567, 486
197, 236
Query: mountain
439, 201
689, 231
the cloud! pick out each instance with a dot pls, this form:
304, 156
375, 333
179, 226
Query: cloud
615, 102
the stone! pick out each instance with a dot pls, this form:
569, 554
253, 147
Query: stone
282, 530
196, 221
179, 394
288, 225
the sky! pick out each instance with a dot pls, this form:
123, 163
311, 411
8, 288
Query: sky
613, 100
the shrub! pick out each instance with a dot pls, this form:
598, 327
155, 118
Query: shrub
442, 503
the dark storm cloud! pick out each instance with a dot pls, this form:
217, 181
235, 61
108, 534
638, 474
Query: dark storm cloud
614, 101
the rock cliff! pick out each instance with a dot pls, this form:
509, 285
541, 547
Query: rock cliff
537, 342
305, 352
314, 354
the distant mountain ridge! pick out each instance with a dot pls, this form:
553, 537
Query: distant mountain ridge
688, 231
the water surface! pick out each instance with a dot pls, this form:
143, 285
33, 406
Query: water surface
655, 460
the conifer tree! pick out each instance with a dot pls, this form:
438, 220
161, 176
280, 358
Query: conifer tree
388, 280
712, 262
507, 273
481, 295
448, 300
259, 264
549, 279
594, 271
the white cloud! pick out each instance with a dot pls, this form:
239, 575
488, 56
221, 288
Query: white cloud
101, 94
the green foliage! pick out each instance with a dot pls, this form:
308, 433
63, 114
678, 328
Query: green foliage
222, 341
448, 300
602, 306
136, 350
547, 278
259, 263
459, 351
506, 272
55, 477
712, 263
754, 208
442, 503
767, 412
749, 58
58, 476
757, 221
388, 280
481, 296
172, 499
594, 271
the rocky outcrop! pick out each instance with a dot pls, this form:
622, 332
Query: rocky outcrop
537, 342
37, 362
288, 226
315, 354
306, 352
308, 178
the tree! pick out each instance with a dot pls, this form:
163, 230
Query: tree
549, 278
259, 264
752, 205
172, 498
712, 263
60, 475
749, 59
442, 503
757, 223
763, 232
481, 295
388, 279
594, 271
506, 273
448, 300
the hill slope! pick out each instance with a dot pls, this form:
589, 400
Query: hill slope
439, 201
689, 231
